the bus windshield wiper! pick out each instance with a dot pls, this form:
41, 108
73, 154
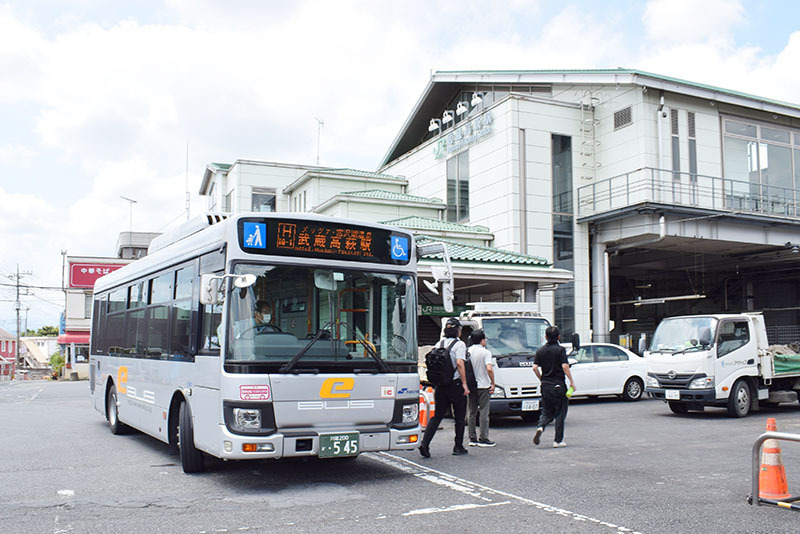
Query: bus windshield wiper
288, 366
368, 347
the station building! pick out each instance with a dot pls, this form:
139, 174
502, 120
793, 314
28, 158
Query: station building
642, 196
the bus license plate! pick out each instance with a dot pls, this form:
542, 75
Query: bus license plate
672, 394
530, 405
338, 445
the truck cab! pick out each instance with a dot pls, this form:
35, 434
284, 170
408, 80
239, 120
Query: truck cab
514, 331
715, 360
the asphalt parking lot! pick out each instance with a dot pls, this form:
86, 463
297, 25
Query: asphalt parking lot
628, 467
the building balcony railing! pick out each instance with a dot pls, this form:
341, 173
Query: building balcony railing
653, 186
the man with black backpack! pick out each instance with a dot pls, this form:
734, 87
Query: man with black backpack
446, 371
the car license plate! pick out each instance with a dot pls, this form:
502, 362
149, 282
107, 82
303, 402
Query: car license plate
530, 405
672, 394
338, 445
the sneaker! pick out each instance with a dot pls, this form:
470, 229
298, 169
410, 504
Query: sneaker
486, 443
559, 444
423, 450
537, 435
473, 442
458, 451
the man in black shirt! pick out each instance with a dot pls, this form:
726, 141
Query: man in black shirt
550, 365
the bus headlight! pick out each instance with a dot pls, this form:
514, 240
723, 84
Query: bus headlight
247, 418
651, 381
499, 393
706, 382
410, 413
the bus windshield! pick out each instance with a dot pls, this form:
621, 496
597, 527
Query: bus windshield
514, 335
683, 334
328, 315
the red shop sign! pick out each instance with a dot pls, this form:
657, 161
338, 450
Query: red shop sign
86, 274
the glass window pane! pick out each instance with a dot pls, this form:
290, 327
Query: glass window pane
183, 282
770, 134
452, 178
212, 318
797, 139
263, 202
161, 288
776, 176
137, 298
463, 187
117, 300
740, 128
181, 329
135, 335
157, 329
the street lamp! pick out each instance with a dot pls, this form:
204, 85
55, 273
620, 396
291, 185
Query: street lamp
447, 116
476, 99
434, 125
461, 108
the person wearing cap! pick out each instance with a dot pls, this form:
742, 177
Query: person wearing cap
551, 367
453, 394
478, 404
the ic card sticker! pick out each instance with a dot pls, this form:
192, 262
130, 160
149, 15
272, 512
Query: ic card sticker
254, 392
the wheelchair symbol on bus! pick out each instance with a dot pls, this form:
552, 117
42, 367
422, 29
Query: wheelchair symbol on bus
399, 248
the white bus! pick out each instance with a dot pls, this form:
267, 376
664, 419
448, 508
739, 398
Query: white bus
328, 370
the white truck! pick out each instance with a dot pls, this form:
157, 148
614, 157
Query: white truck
514, 331
721, 360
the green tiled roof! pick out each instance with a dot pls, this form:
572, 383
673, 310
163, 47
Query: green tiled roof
389, 195
426, 223
363, 174
464, 252
222, 166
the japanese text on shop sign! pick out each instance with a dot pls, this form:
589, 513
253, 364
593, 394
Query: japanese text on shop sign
324, 240
86, 274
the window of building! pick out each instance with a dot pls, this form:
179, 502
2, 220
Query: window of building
212, 197
458, 188
87, 305
263, 200
760, 167
563, 233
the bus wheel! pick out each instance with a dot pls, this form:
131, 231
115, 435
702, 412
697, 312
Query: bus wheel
192, 460
739, 400
112, 413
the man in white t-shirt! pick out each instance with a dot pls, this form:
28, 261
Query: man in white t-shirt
481, 360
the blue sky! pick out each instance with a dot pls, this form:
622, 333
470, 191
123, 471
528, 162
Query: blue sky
98, 99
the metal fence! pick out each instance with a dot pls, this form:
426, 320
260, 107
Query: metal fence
650, 185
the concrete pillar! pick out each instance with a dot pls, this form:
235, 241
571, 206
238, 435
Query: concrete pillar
600, 308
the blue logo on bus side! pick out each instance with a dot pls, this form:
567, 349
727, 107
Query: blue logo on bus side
254, 234
399, 248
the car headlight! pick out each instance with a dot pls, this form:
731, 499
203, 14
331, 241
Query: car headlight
247, 418
651, 382
499, 393
410, 413
706, 382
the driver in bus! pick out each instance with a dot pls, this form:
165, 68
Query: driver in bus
261, 321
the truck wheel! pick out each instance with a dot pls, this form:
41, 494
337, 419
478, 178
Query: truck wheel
112, 413
633, 389
192, 460
739, 400
678, 407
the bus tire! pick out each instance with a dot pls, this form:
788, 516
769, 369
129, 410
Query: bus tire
192, 459
112, 413
739, 399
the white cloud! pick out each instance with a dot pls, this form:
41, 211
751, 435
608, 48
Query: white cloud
687, 21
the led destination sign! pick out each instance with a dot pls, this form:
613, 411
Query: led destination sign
319, 239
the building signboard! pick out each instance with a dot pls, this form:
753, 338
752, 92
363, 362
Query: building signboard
463, 136
84, 275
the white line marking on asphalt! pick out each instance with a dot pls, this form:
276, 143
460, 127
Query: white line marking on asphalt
66, 493
454, 508
474, 489
36, 394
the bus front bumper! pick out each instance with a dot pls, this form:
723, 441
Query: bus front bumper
307, 443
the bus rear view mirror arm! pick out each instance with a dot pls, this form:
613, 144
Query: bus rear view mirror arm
441, 275
211, 286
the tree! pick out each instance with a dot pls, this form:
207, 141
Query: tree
47, 331
56, 362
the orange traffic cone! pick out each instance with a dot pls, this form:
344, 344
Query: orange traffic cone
426, 410
772, 477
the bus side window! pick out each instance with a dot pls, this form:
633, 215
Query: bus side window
211, 319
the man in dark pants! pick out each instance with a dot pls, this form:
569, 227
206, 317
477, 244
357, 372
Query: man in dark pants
455, 393
550, 365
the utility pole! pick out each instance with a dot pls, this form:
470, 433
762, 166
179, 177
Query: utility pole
18, 308
130, 220
64, 289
